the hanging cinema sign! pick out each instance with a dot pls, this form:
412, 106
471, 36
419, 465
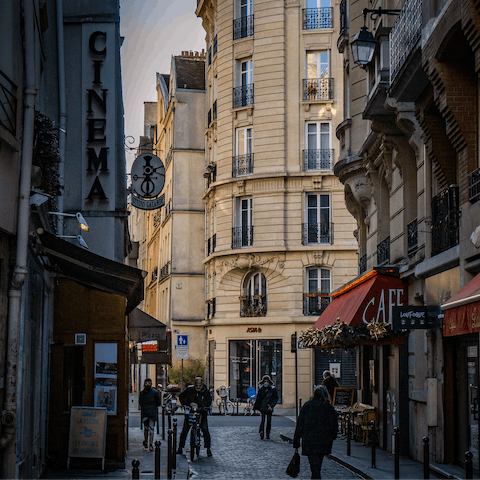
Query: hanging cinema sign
148, 180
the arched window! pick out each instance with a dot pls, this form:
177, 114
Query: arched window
253, 302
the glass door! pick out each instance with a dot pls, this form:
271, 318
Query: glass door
270, 362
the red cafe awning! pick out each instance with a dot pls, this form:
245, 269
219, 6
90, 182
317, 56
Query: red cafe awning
370, 297
461, 312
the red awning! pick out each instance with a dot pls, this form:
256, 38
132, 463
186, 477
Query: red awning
368, 298
461, 312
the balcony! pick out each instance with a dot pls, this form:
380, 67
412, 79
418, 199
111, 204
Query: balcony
242, 165
315, 18
405, 34
474, 186
445, 220
362, 264
318, 89
315, 303
253, 306
383, 252
412, 237
165, 270
243, 27
317, 233
243, 96
211, 244
317, 159
168, 208
210, 173
242, 237
211, 307
8, 104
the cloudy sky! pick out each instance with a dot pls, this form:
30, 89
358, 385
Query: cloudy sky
154, 30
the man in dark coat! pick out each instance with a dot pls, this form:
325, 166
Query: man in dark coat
317, 427
330, 382
267, 398
149, 403
196, 396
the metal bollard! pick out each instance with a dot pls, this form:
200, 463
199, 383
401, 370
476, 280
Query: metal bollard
426, 457
373, 434
157, 459
349, 434
158, 425
468, 465
163, 422
396, 442
174, 445
169, 420
299, 404
135, 469
169, 454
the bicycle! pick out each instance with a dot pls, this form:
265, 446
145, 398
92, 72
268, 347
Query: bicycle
223, 401
252, 395
195, 432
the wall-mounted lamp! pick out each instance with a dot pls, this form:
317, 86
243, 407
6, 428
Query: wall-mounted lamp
364, 43
79, 238
81, 221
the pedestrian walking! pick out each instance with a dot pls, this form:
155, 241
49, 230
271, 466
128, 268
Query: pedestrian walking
199, 396
330, 382
267, 398
149, 403
317, 428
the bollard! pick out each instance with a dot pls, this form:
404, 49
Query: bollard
372, 440
169, 420
157, 459
169, 454
174, 445
349, 434
426, 456
396, 443
135, 469
158, 424
468, 465
299, 404
163, 422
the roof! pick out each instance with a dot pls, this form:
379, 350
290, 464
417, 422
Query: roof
190, 72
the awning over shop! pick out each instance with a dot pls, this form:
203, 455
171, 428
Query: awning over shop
142, 327
94, 270
461, 313
366, 299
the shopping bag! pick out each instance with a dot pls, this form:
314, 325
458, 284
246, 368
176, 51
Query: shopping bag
293, 468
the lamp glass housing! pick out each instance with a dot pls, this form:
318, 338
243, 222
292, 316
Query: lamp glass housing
363, 46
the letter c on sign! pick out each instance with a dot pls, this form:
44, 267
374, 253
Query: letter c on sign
371, 302
92, 41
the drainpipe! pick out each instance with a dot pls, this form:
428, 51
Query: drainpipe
9, 410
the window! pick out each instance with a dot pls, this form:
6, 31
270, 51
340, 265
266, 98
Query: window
243, 230
318, 153
317, 64
318, 84
317, 291
243, 160
317, 227
243, 93
253, 302
243, 23
318, 14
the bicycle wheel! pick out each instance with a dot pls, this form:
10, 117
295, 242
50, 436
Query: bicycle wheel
193, 436
197, 446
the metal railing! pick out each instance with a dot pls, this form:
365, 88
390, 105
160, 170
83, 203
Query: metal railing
445, 220
8, 104
211, 307
412, 237
383, 252
243, 96
253, 306
362, 264
315, 303
317, 159
165, 270
474, 186
242, 237
405, 34
243, 27
242, 165
343, 17
211, 244
214, 110
154, 274
168, 208
318, 88
317, 233
315, 18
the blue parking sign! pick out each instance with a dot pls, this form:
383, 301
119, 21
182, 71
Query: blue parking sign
182, 340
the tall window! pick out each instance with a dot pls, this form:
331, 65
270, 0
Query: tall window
243, 160
318, 14
318, 84
317, 64
318, 152
243, 23
243, 92
243, 230
317, 294
253, 302
317, 226
246, 8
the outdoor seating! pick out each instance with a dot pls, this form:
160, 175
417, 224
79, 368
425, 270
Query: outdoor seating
362, 422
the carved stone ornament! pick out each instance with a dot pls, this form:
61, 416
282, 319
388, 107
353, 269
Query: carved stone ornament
249, 261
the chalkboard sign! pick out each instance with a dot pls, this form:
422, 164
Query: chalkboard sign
343, 396
88, 429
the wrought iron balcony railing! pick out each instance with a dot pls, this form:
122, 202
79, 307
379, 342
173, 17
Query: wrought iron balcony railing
168, 208
343, 17
383, 252
214, 110
165, 270
317, 233
314, 303
154, 274
211, 244
211, 307
318, 89
315, 18
412, 237
253, 306
317, 159
243, 27
242, 237
215, 46
243, 96
242, 165
362, 264
405, 34
474, 186
8, 103
445, 220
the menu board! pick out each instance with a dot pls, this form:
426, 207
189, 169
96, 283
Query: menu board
343, 396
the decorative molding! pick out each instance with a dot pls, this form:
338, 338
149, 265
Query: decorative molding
241, 187
317, 183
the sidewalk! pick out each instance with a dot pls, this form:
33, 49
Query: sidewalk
360, 459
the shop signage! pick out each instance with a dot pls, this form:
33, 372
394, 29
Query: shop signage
254, 330
148, 180
416, 317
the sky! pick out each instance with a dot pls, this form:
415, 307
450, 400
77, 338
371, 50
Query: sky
154, 30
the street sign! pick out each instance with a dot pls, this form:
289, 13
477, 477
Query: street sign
182, 347
182, 340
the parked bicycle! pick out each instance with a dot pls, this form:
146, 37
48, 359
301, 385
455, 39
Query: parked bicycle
252, 395
195, 432
224, 404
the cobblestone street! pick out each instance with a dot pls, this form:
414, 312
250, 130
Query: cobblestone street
238, 453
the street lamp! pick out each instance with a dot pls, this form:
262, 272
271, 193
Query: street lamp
79, 239
364, 43
82, 223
